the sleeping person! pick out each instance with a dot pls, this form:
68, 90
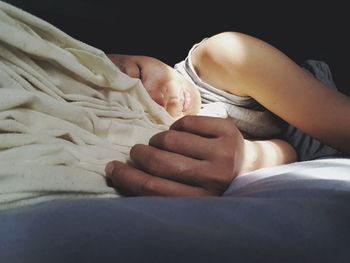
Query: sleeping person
66, 111
283, 111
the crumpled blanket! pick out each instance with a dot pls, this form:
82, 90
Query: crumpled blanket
65, 111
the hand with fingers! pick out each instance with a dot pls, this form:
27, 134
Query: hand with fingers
197, 156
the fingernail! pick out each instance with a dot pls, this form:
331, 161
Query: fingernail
109, 168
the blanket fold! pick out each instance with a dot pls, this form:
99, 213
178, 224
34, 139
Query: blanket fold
65, 111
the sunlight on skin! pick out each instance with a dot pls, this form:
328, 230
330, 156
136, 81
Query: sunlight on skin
246, 66
165, 85
181, 97
216, 69
278, 152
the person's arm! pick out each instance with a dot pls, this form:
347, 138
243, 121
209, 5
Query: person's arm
197, 156
158, 78
265, 153
246, 66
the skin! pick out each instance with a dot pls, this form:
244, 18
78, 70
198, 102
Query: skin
202, 155
169, 166
261, 71
164, 84
198, 156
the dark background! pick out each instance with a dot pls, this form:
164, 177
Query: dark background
168, 29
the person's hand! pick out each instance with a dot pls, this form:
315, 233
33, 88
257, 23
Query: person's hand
165, 85
197, 156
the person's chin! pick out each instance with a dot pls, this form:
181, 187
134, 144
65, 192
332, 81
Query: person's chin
195, 104
177, 117
176, 114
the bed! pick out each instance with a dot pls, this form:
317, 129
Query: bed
298, 212
292, 213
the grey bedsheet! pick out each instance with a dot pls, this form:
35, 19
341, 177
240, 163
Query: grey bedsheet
293, 213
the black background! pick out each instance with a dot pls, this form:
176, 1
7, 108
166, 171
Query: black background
168, 29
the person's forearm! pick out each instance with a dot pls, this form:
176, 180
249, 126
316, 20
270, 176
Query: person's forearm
260, 154
246, 66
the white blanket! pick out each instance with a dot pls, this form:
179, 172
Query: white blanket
65, 111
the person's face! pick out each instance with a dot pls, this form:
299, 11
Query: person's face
179, 97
